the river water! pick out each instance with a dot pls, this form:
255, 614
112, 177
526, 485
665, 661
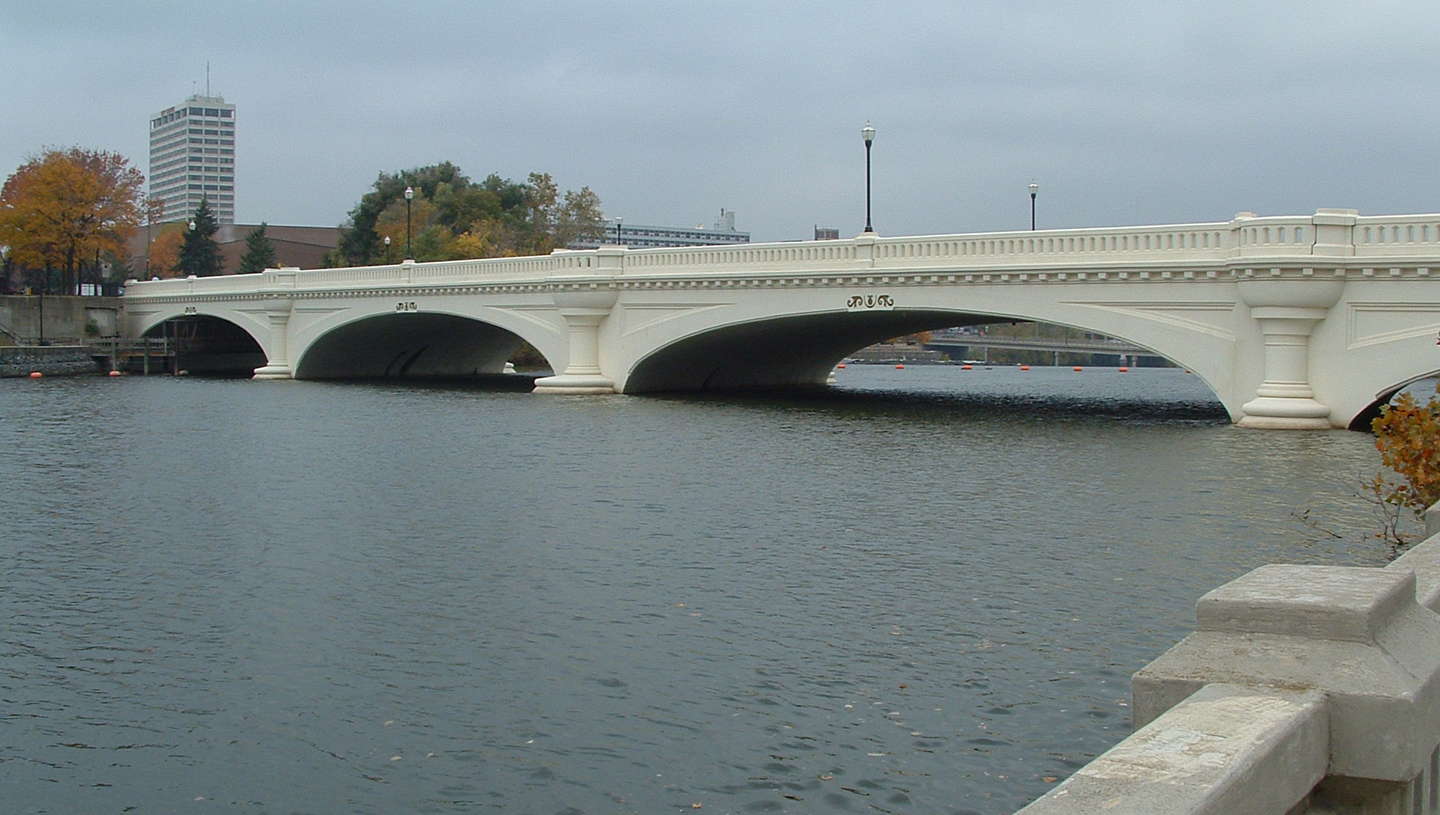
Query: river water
923, 592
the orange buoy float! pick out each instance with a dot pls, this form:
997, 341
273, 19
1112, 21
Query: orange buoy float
114, 373
841, 365
900, 367
1078, 368
36, 374
1024, 367
967, 367
1123, 369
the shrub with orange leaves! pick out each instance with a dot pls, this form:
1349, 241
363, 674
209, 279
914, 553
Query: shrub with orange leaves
1407, 434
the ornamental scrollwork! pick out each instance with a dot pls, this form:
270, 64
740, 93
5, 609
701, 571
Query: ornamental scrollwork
867, 302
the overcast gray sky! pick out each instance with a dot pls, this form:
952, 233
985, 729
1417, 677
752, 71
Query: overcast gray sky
1123, 112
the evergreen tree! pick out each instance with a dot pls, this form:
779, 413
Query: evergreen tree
259, 253
200, 254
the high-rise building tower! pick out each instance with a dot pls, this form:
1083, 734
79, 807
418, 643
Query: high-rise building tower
192, 156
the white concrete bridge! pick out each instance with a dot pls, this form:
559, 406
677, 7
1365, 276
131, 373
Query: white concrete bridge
1294, 322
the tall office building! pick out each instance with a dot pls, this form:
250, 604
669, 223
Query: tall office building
192, 156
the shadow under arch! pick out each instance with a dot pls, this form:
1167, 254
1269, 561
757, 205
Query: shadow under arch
783, 351
802, 350
776, 352
409, 345
210, 345
1366, 417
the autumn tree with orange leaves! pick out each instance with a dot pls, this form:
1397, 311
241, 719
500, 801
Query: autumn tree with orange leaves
64, 207
165, 250
1407, 434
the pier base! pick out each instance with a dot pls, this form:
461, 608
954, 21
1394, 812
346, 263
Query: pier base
273, 372
575, 384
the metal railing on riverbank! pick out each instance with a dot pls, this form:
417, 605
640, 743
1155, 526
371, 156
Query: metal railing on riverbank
1305, 690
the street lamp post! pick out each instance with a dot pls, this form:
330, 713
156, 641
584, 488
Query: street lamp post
619, 234
409, 195
1034, 189
5, 264
188, 268
387, 250
868, 133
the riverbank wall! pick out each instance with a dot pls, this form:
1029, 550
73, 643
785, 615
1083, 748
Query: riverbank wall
57, 319
50, 360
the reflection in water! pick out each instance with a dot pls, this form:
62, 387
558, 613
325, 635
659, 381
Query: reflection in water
331, 597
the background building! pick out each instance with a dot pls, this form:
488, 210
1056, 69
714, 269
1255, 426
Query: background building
301, 246
642, 236
192, 156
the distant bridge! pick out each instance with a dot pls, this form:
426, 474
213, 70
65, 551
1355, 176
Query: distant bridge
942, 340
1294, 322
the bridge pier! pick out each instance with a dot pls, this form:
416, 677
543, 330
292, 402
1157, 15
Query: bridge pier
583, 312
277, 364
1287, 311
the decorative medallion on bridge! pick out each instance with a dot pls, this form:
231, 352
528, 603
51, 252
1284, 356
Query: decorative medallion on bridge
870, 302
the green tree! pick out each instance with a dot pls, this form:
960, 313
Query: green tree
579, 218
259, 252
199, 253
360, 243
452, 217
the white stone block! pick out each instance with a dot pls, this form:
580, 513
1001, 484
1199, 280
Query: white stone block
1357, 635
1226, 750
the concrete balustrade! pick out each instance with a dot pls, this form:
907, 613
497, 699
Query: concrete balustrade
1304, 689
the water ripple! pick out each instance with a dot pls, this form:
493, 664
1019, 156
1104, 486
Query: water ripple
354, 598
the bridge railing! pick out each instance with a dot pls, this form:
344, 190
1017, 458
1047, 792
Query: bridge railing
1209, 246
798, 256
1271, 236
1191, 241
1396, 235
400, 274
1304, 689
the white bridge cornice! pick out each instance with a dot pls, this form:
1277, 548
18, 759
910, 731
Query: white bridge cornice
1049, 273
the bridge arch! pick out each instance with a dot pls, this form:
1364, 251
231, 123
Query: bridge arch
778, 351
208, 341
1362, 420
146, 322
400, 343
801, 349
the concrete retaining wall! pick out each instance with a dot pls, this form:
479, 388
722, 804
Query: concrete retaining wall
66, 318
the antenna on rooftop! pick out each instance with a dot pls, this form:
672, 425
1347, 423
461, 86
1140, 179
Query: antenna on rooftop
207, 77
